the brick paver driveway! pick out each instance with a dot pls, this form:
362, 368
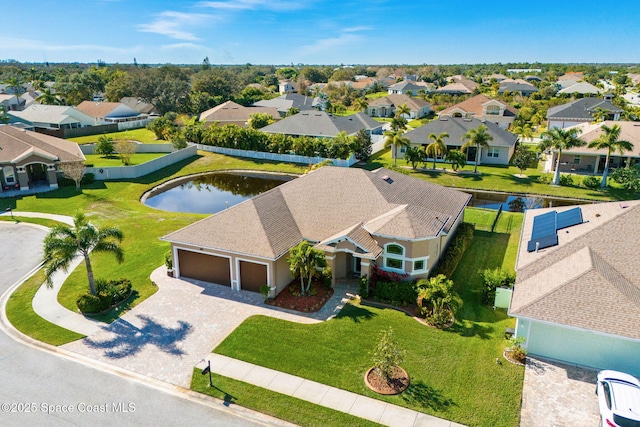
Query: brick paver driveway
168, 334
554, 394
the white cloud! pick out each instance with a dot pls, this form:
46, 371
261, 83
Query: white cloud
42, 46
184, 46
346, 36
282, 5
172, 24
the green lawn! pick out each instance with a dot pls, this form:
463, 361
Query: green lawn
453, 372
377, 95
501, 178
116, 203
268, 402
98, 160
143, 135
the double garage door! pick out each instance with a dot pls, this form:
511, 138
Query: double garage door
216, 269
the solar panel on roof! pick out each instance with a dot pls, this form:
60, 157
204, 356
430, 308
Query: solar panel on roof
543, 242
569, 218
544, 225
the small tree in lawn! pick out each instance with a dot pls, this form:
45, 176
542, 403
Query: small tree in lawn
74, 171
105, 145
304, 260
260, 120
362, 145
126, 149
523, 158
457, 158
414, 155
387, 355
437, 299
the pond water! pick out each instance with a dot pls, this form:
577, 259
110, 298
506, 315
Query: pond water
515, 203
211, 193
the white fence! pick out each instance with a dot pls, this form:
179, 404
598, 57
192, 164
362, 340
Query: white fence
134, 124
291, 158
128, 172
140, 148
377, 143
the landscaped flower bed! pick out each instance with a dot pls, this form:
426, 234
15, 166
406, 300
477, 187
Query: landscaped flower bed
289, 298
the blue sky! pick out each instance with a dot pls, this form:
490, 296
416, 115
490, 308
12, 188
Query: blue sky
321, 31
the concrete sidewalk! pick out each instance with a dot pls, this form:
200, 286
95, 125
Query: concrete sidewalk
320, 394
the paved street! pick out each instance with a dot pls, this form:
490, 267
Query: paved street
36, 381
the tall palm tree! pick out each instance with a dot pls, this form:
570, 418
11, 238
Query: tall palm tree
437, 147
403, 110
63, 243
48, 98
524, 131
478, 137
361, 104
16, 83
610, 140
396, 138
560, 139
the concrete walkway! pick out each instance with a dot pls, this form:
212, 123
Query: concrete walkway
60, 218
320, 394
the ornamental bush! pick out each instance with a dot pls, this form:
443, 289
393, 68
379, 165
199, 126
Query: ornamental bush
591, 182
457, 247
492, 279
108, 294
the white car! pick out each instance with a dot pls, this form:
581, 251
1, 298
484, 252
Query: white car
619, 399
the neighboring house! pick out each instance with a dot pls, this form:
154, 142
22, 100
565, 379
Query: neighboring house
363, 83
28, 159
578, 300
357, 217
580, 111
9, 102
287, 86
110, 112
496, 77
500, 149
635, 78
582, 88
235, 114
533, 79
584, 159
519, 86
53, 117
459, 87
284, 103
320, 124
386, 106
407, 88
483, 108
139, 105
632, 98
29, 98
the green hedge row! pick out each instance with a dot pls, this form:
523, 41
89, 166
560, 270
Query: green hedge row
457, 247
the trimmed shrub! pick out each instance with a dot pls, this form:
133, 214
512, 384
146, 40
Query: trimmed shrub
545, 178
395, 293
108, 294
566, 180
591, 182
492, 279
457, 247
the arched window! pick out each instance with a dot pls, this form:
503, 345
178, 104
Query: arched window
394, 257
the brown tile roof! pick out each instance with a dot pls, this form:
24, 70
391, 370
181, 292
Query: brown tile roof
16, 143
590, 280
323, 204
97, 109
474, 105
629, 131
233, 112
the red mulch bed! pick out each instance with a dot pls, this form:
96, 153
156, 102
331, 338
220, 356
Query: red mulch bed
398, 382
305, 304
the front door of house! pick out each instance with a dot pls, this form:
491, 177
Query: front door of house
357, 265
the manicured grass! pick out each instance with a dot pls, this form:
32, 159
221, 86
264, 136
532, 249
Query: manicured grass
98, 160
141, 135
377, 95
116, 203
41, 221
501, 178
21, 315
453, 372
268, 402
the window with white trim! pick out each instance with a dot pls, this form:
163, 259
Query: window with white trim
493, 152
9, 176
419, 265
394, 257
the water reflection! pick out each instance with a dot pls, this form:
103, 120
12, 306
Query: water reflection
212, 193
513, 203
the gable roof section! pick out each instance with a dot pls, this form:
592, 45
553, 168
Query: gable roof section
456, 127
590, 269
231, 111
456, 87
325, 205
52, 114
106, 109
397, 99
581, 109
18, 144
284, 102
321, 124
581, 87
629, 131
475, 105
138, 105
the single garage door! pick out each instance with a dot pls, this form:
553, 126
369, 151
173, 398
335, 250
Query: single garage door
208, 268
252, 276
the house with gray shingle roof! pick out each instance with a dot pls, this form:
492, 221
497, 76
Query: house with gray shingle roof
407, 87
53, 117
357, 217
579, 301
386, 106
581, 111
284, 103
581, 88
29, 159
320, 124
500, 149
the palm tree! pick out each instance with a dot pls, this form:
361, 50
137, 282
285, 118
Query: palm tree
403, 110
478, 137
396, 138
361, 104
48, 98
437, 147
303, 260
436, 296
524, 131
63, 243
16, 84
610, 140
600, 114
560, 139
